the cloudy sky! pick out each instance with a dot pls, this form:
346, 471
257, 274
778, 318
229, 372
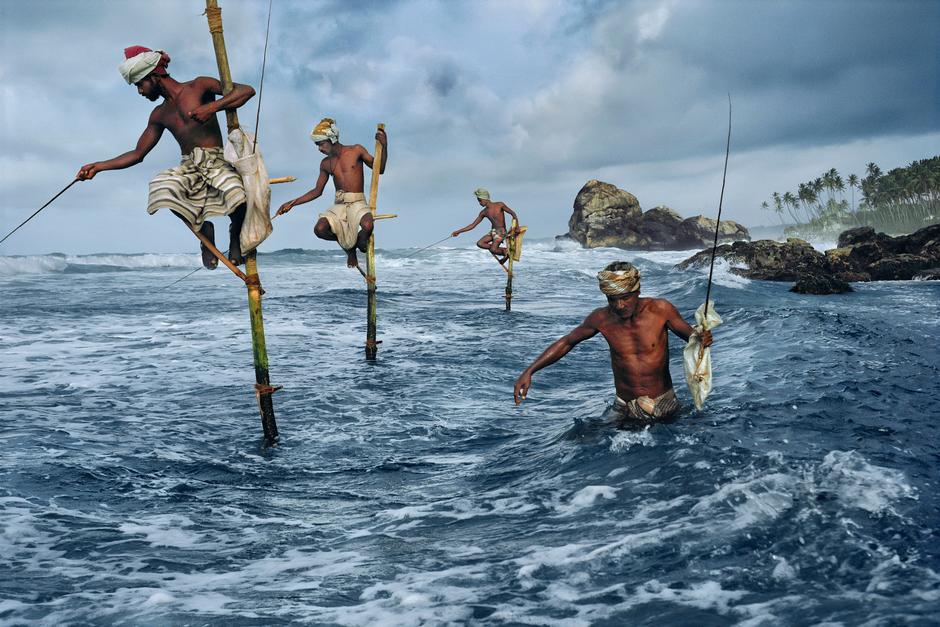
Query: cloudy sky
529, 98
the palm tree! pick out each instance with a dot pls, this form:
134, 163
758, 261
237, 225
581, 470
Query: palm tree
853, 185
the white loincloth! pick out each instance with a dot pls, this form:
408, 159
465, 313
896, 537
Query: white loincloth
203, 186
344, 217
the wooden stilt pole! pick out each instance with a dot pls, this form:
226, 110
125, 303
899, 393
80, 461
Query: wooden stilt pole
511, 250
372, 345
263, 387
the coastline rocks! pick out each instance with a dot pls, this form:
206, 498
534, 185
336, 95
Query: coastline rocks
765, 259
605, 215
820, 284
862, 255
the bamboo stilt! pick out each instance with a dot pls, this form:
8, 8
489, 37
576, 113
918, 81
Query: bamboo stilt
372, 346
263, 387
511, 250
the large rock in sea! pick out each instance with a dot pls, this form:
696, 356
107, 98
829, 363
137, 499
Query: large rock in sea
602, 214
605, 215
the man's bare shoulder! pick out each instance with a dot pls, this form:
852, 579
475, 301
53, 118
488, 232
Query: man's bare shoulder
598, 317
156, 116
659, 306
206, 83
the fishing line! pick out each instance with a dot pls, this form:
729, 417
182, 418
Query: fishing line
38, 210
721, 198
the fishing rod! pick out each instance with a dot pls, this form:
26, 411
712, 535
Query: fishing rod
428, 246
38, 210
264, 62
721, 198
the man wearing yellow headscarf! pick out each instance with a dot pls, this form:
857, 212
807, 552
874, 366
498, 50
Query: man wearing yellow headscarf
636, 332
349, 221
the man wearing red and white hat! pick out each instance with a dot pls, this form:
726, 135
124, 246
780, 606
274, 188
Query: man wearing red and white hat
204, 185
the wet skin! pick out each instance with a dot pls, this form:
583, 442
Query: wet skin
636, 332
188, 111
495, 212
344, 164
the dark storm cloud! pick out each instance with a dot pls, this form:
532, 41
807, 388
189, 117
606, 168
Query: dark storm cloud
527, 97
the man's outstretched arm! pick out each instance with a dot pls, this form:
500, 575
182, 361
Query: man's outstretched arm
553, 353
469, 227
311, 195
677, 324
148, 139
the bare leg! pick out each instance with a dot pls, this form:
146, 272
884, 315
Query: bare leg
234, 235
366, 226
501, 254
209, 260
323, 231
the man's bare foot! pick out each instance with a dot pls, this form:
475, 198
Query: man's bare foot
352, 260
209, 260
235, 246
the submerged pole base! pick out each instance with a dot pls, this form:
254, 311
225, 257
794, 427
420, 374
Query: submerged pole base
372, 349
266, 407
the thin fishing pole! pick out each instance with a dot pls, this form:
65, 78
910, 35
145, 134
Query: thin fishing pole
254, 145
264, 62
428, 246
721, 198
38, 210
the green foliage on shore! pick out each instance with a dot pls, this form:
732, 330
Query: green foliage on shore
899, 201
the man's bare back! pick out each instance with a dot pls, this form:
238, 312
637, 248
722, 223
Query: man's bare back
636, 332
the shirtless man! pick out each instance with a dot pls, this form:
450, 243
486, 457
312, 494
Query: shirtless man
635, 329
204, 185
349, 221
494, 211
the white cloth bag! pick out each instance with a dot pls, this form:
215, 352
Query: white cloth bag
698, 361
257, 225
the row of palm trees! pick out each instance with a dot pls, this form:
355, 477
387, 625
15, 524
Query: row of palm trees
901, 200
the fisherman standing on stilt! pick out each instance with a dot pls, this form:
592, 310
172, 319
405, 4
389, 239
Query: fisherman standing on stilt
349, 221
494, 211
636, 332
204, 185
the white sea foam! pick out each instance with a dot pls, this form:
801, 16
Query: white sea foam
53, 264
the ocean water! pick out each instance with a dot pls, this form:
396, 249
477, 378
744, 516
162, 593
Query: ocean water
134, 487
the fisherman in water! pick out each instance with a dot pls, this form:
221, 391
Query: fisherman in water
495, 212
635, 329
204, 185
349, 221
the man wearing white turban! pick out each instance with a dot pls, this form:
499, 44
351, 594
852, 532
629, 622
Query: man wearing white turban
636, 332
495, 212
349, 221
204, 185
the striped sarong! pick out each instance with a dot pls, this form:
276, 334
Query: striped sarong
203, 186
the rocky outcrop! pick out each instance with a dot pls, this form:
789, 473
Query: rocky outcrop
765, 259
605, 215
602, 212
862, 255
820, 284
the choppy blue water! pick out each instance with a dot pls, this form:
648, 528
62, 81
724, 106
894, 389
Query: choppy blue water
134, 488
